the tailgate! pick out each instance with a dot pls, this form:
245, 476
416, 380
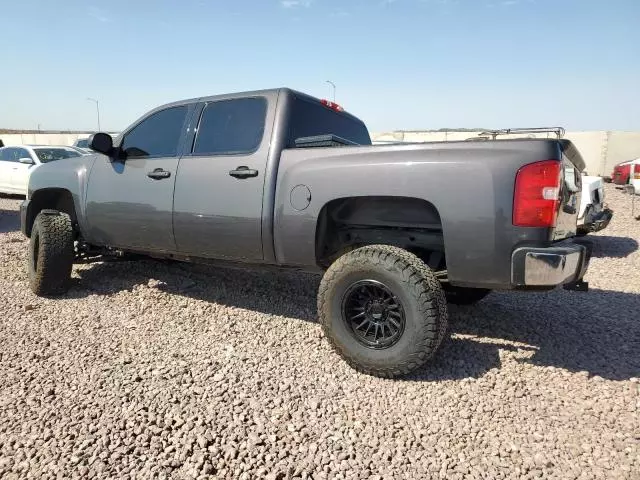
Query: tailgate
570, 190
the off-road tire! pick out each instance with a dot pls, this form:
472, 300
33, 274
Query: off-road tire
51, 253
412, 282
464, 295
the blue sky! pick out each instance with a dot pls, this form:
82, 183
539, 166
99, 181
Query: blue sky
397, 64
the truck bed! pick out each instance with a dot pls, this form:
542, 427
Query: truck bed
469, 184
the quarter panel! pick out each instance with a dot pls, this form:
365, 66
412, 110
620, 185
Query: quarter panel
471, 186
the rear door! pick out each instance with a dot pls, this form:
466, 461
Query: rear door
6, 168
221, 180
130, 201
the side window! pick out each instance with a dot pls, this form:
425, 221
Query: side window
231, 127
9, 155
157, 135
22, 153
4, 154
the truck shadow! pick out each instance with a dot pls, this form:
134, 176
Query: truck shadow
597, 333
615, 247
9, 221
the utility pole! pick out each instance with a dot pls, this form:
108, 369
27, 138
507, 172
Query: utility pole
334, 89
97, 110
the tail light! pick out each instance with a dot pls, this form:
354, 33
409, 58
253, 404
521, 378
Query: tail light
537, 194
332, 105
636, 174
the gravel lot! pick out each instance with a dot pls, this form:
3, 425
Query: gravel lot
156, 370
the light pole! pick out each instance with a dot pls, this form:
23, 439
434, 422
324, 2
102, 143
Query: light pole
97, 109
334, 89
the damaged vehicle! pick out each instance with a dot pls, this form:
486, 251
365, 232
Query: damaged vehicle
280, 178
594, 215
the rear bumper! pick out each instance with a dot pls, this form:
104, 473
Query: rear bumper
560, 264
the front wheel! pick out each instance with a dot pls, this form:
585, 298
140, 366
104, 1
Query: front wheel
50, 253
383, 310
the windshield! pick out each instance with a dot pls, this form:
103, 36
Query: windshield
50, 154
82, 143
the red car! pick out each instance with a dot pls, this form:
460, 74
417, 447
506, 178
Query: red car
621, 173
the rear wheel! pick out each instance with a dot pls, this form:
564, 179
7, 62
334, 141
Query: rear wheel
51, 253
465, 296
383, 310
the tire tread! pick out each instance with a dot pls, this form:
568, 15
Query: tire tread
421, 284
55, 254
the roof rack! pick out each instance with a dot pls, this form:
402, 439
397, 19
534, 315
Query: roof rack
559, 131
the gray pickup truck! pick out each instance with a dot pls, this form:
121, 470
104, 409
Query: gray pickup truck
278, 177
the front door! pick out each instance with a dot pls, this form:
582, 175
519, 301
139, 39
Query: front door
21, 171
219, 189
130, 200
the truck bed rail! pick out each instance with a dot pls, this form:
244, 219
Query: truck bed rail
558, 131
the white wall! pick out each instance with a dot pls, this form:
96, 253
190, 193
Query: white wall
601, 150
42, 138
621, 146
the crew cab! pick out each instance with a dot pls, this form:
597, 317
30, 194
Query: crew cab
278, 177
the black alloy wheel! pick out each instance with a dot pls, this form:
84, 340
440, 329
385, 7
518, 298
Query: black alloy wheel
373, 314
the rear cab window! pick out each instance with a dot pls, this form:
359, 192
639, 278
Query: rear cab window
310, 118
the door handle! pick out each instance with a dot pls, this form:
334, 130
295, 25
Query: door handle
243, 172
158, 174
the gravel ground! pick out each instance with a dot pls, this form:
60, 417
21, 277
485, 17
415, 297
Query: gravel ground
156, 370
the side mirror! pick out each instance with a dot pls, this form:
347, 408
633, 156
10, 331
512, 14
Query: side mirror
101, 142
26, 161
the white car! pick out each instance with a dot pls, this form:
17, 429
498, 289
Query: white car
634, 187
83, 144
17, 163
593, 215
